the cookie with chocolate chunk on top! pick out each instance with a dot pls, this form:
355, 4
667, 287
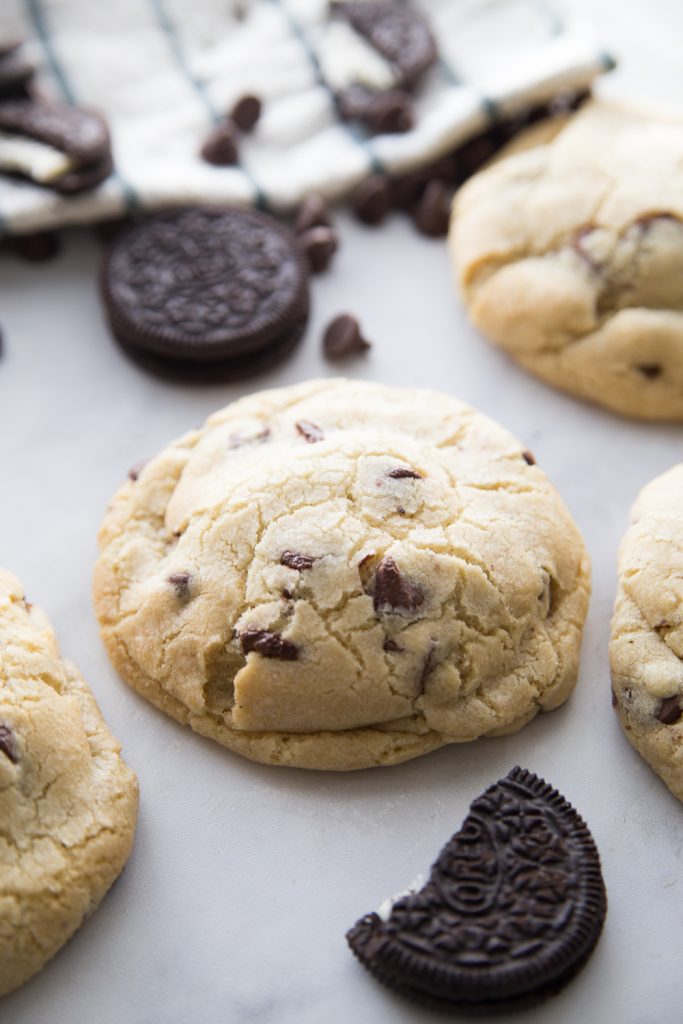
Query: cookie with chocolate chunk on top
569, 255
68, 802
340, 575
54, 145
646, 645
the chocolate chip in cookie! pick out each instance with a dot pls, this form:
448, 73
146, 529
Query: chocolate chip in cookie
297, 560
669, 710
310, 432
393, 592
511, 912
268, 645
8, 743
206, 292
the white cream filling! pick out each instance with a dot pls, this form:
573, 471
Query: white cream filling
347, 59
384, 910
37, 160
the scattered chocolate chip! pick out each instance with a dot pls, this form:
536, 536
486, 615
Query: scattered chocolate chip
433, 211
669, 710
319, 245
311, 432
528, 457
391, 646
372, 199
134, 471
246, 113
220, 147
409, 188
7, 744
296, 560
511, 911
650, 370
392, 590
180, 581
401, 473
391, 113
36, 248
312, 213
343, 337
268, 645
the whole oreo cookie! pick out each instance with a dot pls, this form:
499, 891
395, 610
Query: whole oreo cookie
207, 292
511, 912
64, 148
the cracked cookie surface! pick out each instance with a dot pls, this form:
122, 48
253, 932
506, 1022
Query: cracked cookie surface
68, 803
570, 256
646, 647
339, 575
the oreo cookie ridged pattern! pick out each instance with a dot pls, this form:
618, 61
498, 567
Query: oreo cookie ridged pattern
206, 292
511, 912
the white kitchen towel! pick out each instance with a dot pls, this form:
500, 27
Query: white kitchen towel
164, 71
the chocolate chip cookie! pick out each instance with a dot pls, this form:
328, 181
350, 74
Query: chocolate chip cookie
68, 803
646, 647
570, 256
339, 574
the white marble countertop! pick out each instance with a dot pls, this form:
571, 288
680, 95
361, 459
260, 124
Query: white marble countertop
244, 878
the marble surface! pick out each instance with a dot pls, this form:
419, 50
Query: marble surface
244, 878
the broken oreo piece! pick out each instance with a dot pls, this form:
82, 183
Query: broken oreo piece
397, 31
205, 293
54, 145
511, 912
16, 71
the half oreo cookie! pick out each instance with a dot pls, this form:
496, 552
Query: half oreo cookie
511, 912
61, 147
205, 293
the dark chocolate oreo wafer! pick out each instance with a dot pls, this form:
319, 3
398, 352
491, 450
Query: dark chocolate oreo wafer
511, 912
72, 151
205, 293
396, 30
16, 71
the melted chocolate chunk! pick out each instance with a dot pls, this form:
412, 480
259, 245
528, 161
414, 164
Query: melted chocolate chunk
319, 245
372, 199
296, 560
220, 147
311, 432
403, 474
391, 646
392, 590
7, 744
650, 370
268, 645
529, 457
511, 911
669, 710
246, 113
343, 337
312, 213
181, 582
